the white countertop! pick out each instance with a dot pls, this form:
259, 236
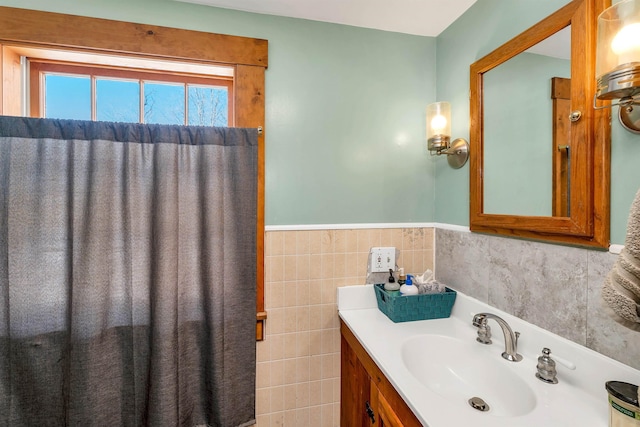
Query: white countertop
578, 399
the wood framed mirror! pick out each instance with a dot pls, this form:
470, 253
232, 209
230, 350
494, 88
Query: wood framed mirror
569, 164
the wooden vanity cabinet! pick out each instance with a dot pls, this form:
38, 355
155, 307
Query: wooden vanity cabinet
367, 398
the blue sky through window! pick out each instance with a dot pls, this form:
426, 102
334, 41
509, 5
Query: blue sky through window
164, 103
118, 100
208, 106
68, 97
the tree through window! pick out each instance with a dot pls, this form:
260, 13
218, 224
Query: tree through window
69, 91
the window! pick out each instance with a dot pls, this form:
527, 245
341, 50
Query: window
128, 95
247, 57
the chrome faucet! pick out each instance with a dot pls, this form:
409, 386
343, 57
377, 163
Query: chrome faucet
510, 338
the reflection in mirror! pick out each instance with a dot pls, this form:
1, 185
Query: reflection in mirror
519, 127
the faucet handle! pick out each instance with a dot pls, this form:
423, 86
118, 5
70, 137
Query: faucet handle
484, 331
546, 368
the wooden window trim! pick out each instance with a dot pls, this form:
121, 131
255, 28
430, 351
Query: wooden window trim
249, 56
37, 68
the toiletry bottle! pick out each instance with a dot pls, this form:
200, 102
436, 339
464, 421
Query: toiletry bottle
408, 288
401, 277
391, 284
624, 410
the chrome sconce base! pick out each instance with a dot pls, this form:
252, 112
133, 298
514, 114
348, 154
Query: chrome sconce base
457, 152
629, 115
628, 112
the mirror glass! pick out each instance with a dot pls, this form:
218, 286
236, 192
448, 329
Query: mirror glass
519, 140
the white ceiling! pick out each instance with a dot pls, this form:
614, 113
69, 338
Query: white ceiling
418, 17
556, 46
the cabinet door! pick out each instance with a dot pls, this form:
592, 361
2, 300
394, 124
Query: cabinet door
354, 389
368, 399
386, 415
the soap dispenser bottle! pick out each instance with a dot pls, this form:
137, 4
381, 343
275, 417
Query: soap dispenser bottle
391, 284
408, 288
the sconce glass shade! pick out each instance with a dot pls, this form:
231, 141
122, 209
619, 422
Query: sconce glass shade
438, 126
618, 51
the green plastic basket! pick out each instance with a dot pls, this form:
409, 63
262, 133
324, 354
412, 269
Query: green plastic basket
401, 308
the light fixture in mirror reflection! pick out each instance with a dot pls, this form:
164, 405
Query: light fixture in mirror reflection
618, 61
439, 135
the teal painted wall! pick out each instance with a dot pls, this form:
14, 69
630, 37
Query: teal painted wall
345, 110
484, 27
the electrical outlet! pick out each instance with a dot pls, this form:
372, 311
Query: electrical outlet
383, 259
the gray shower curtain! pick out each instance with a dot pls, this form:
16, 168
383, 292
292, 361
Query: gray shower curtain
127, 274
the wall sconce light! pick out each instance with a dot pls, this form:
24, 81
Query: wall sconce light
439, 135
618, 61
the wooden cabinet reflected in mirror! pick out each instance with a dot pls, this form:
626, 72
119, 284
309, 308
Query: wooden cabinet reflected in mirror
537, 170
560, 145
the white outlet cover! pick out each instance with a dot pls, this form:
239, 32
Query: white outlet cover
383, 259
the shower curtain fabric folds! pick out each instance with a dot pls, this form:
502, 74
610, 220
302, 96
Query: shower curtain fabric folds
127, 274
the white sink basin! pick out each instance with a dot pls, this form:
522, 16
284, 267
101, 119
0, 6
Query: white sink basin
458, 371
437, 366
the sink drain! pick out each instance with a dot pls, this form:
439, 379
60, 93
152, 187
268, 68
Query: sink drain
479, 404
